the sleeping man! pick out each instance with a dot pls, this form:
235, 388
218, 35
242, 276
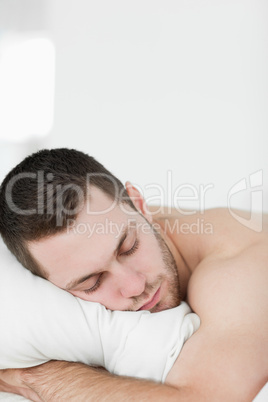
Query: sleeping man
69, 220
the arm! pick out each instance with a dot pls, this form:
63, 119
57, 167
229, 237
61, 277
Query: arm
75, 381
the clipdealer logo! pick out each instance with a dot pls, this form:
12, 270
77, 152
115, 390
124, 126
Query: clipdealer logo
50, 198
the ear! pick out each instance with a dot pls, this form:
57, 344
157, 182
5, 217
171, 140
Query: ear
138, 201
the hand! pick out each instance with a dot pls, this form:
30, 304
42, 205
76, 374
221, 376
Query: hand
11, 381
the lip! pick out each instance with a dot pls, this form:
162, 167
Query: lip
154, 300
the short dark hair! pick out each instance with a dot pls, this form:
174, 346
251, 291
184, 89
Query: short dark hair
32, 191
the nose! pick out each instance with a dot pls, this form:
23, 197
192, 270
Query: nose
130, 282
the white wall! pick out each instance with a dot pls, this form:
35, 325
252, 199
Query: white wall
166, 90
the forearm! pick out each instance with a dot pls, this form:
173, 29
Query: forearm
58, 381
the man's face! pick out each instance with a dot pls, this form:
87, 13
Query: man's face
111, 256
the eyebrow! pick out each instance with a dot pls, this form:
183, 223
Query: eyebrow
76, 282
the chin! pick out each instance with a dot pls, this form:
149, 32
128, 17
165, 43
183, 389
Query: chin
161, 307
165, 305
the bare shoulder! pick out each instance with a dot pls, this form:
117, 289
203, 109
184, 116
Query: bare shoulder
234, 262
228, 357
229, 285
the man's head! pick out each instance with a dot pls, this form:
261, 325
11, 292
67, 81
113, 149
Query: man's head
68, 219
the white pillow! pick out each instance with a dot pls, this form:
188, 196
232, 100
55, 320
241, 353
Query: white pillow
40, 322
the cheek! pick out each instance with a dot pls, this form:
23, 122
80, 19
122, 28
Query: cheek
149, 258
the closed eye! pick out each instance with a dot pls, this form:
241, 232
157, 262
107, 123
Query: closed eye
95, 286
125, 253
132, 249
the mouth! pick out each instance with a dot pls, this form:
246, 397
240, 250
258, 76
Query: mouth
154, 300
